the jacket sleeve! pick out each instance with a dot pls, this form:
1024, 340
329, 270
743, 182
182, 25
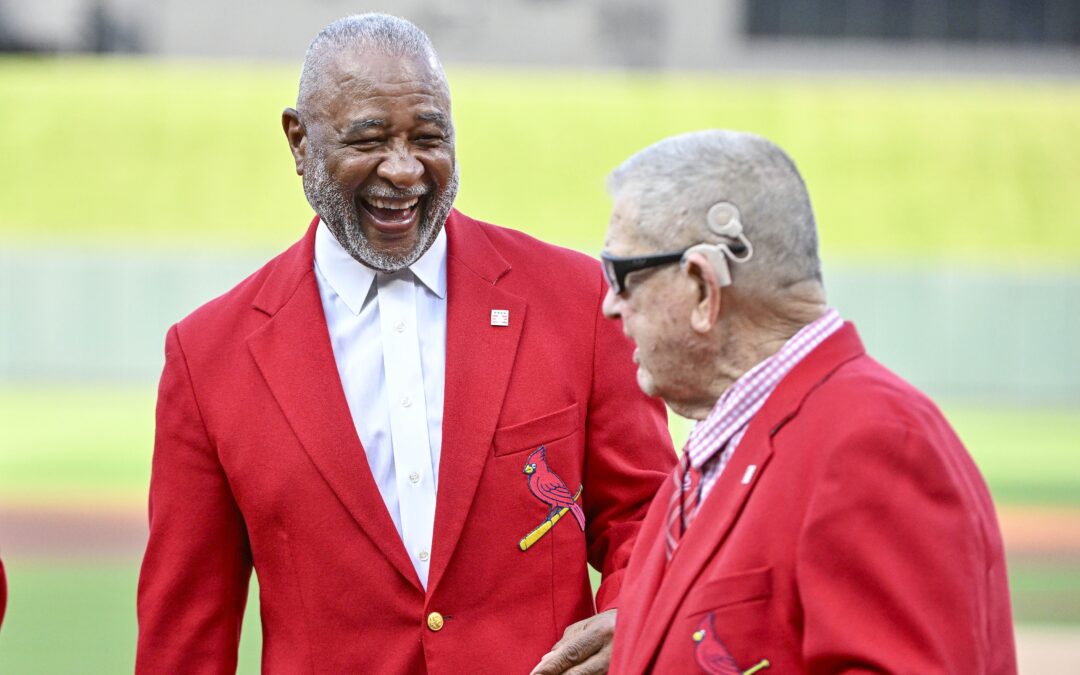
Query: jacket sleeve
899, 568
628, 455
194, 579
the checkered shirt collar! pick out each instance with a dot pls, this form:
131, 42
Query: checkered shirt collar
741, 401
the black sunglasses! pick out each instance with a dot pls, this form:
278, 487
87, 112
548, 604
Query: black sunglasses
617, 267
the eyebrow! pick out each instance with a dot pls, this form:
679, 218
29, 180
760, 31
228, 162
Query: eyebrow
435, 117
363, 125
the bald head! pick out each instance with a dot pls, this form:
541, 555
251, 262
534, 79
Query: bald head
677, 181
357, 35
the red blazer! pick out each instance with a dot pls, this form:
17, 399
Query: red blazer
257, 462
863, 540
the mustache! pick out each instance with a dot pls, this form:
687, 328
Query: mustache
381, 192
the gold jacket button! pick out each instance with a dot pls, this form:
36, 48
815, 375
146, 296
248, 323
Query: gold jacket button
435, 621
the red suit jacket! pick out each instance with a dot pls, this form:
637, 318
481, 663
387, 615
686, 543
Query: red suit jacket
257, 463
863, 540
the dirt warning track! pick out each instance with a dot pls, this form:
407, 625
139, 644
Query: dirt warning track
66, 533
115, 531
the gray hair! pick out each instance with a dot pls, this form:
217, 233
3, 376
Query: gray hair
677, 180
380, 33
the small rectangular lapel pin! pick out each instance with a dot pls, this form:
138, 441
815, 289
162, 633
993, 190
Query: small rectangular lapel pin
748, 475
500, 317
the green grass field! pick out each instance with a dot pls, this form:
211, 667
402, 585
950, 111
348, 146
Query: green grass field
78, 618
92, 445
89, 448
135, 153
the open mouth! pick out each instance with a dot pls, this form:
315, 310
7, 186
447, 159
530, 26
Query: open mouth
391, 216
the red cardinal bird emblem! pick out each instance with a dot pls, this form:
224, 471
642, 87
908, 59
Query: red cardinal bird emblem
713, 657
551, 490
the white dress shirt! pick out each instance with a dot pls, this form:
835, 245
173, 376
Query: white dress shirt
388, 332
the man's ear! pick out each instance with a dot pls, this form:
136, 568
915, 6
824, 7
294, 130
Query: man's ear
706, 308
296, 132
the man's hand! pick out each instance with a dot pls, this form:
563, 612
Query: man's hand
585, 648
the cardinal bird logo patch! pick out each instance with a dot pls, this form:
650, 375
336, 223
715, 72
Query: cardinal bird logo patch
713, 657
546, 486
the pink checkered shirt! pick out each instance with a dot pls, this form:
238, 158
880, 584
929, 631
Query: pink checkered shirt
726, 424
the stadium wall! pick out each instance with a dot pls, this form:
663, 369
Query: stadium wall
962, 335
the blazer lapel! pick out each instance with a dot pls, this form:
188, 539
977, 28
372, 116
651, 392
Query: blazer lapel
479, 358
294, 355
728, 496
648, 564
718, 514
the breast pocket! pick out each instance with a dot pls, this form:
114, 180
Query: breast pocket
728, 590
539, 431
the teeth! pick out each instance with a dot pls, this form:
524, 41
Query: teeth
397, 206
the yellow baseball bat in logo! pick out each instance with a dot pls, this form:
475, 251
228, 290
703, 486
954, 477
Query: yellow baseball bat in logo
544, 527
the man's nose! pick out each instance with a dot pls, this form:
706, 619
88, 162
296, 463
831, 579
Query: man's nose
610, 304
401, 169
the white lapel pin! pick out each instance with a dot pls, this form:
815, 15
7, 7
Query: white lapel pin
749, 474
500, 317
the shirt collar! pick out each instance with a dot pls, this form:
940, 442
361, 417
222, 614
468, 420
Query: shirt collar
352, 280
741, 401
430, 269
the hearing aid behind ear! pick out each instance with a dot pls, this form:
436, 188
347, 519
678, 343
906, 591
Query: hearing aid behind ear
714, 254
723, 219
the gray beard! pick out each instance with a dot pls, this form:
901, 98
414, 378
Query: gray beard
337, 209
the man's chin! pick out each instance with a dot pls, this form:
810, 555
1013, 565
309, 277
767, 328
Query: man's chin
390, 252
397, 248
646, 382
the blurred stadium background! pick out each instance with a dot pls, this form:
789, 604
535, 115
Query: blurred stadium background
144, 171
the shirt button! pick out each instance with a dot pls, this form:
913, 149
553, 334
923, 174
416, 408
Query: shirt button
435, 621
414, 478
406, 401
400, 326
424, 555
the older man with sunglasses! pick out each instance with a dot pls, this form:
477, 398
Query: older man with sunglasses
824, 518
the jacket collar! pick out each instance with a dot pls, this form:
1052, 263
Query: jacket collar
307, 387
726, 500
